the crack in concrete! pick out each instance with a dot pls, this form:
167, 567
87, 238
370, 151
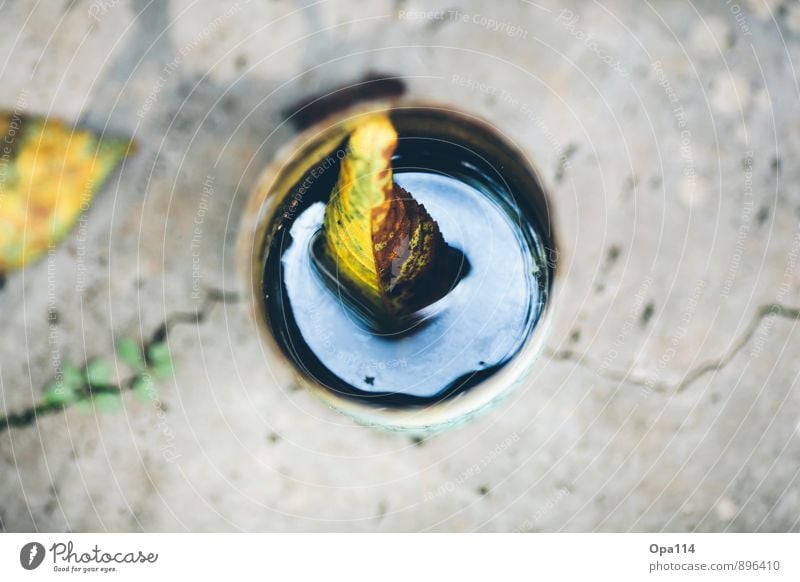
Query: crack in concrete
694, 374
212, 297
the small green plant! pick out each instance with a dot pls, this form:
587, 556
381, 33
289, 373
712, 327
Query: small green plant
93, 388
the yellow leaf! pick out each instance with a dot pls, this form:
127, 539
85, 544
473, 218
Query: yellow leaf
365, 181
49, 173
383, 243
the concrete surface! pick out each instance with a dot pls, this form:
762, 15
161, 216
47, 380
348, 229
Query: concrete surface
669, 397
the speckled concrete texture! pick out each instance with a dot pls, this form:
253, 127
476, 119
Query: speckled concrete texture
668, 396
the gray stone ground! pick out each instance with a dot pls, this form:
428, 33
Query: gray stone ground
669, 395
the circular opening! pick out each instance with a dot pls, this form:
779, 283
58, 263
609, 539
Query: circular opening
437, 145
